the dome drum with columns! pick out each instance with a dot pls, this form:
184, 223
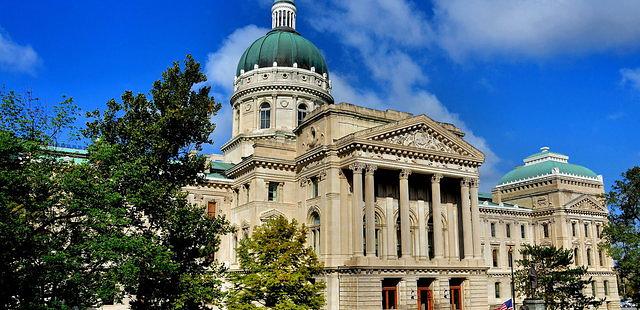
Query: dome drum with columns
281, 78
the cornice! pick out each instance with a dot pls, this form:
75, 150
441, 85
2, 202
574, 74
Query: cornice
254, 137
504, 211
354, 144
262, 162
282, 87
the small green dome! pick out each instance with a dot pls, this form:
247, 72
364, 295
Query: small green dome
546, 163
284, 47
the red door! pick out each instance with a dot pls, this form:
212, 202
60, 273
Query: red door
456, 297
425, 299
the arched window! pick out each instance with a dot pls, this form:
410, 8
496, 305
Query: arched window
314, 231
265, 115
302, 112
377, 234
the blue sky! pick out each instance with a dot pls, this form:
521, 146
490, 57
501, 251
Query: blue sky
515, 75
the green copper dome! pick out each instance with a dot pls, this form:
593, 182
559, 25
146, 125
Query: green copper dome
546, 163
285, 47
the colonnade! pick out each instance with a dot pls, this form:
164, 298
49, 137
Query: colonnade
470, 216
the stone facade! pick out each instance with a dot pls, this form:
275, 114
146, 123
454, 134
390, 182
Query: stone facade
390, 198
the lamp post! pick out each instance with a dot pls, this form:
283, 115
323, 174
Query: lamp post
513, 282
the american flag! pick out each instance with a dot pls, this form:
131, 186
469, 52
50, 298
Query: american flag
507, 305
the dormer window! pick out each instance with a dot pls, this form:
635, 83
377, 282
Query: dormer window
265, 115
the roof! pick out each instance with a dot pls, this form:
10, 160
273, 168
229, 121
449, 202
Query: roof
285, 47
217, 170
221, 166
546, 163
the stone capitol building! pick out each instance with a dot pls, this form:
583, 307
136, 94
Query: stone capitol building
391, 199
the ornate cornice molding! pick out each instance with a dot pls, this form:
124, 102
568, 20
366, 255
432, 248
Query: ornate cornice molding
253, 161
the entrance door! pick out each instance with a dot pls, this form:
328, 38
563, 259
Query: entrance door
425, 299
456, 297
390, 293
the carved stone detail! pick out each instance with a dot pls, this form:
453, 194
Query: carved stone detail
421, 139
405, 173
357, 167
436, 178
370, 169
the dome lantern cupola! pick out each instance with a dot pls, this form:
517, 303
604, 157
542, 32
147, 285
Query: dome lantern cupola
283, 14
280, 79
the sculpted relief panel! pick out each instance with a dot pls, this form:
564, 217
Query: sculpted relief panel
421, 139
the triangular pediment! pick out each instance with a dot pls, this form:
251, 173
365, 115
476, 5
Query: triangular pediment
586, 203
421, 132
270, 215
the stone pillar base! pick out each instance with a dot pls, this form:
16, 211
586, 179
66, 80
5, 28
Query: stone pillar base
534, 304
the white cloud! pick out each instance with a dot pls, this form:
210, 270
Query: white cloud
535, 28
15, 57
631, 76
221, 69
387, 35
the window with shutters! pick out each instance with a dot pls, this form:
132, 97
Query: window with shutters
212, 208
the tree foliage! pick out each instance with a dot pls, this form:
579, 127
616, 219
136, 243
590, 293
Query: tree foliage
54, 240
277, 270
623, 231
548, 273
81, 234
146, 149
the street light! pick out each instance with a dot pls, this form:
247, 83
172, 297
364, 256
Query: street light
513, 282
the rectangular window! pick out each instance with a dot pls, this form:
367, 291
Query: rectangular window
573, 229
545, 230
523, 232
508, 230
600, 258
314, 188
593, 288
494, 257
390, 293
493, 230
586, 230
273, 191
606, 288
211, 208
497, 288
588, 257
598, 232
575, 256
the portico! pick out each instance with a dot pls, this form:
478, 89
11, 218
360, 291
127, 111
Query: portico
418, 224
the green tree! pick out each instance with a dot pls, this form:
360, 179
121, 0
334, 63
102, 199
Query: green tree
145, 148
277, 270
623, 231
82, 234
548, 273
56, 238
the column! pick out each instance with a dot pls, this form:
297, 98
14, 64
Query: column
356, 206
475, 218
391, 250
370, 211
405, 221
467, 233
423, 238
438, 246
